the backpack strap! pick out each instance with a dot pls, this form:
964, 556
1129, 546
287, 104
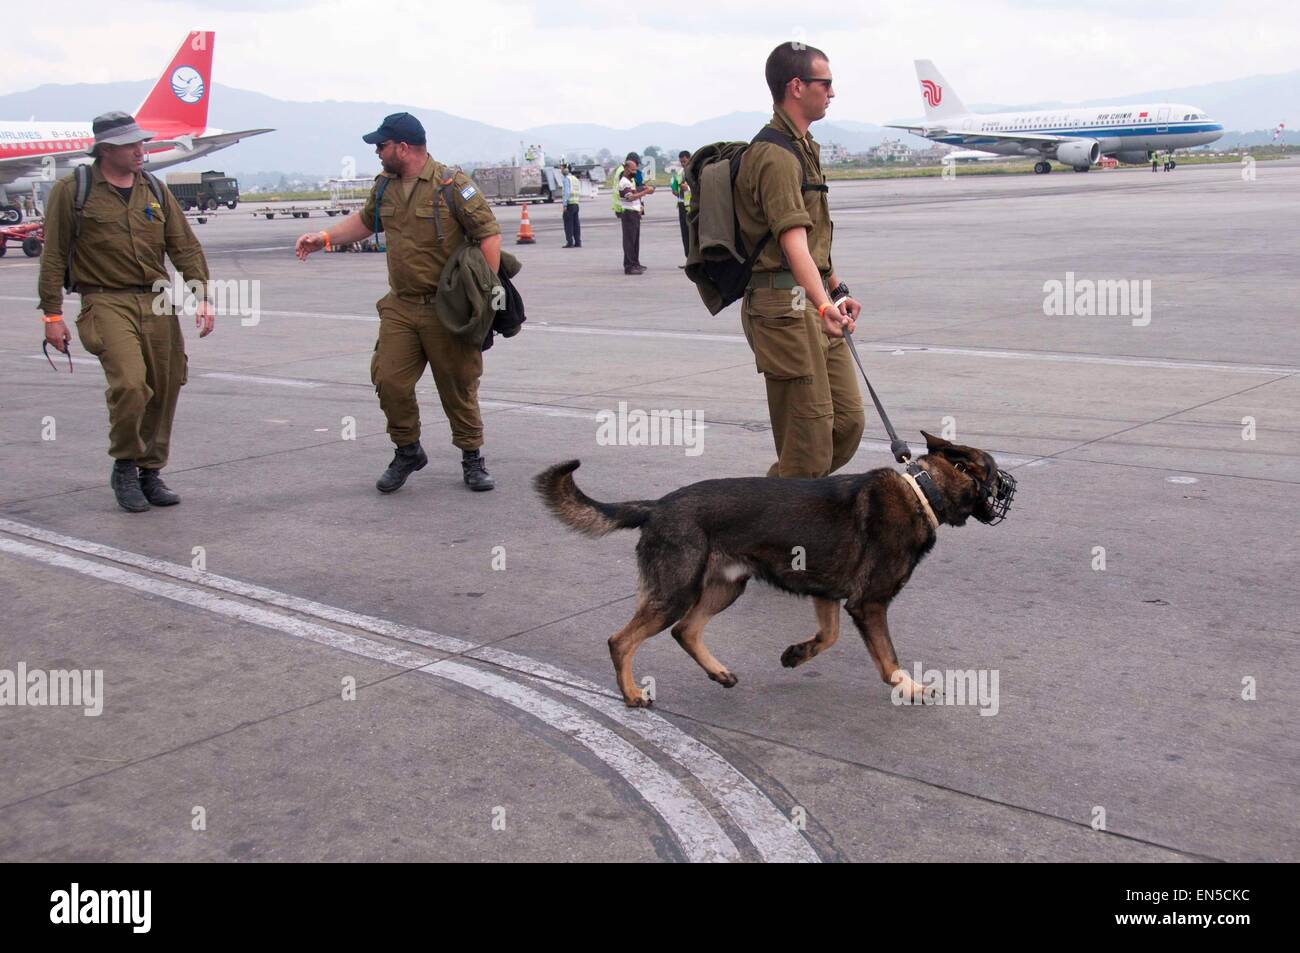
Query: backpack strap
768, 134
379, 196
80, 192
156, 187
445, 188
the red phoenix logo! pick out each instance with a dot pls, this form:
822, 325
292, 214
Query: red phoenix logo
932, 92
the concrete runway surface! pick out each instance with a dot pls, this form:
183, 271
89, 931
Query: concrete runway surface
485, 724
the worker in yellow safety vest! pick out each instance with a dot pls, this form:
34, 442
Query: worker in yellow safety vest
682, 189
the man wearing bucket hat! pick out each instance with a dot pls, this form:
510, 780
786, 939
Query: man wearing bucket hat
107, 229
427, 211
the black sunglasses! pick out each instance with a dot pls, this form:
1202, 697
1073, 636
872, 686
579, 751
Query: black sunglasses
45, 347
817, 79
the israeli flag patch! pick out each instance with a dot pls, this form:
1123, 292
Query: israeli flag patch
468, 192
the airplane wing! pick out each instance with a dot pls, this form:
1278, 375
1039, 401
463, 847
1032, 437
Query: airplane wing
228, 138
20, 167
14, 168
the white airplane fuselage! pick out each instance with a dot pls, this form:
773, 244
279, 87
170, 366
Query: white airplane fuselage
1123, 131
49, 140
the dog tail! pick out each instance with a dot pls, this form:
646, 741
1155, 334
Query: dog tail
579, 511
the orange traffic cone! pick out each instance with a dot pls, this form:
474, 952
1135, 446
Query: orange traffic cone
525, 236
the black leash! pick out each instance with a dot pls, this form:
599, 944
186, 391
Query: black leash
902, 452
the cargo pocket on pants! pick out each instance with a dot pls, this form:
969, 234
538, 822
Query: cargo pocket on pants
374, 369
778, 335
87, 333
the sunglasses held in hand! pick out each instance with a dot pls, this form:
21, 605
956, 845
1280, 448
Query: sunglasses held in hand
67, 349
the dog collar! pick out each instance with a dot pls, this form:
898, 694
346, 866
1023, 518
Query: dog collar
922, 493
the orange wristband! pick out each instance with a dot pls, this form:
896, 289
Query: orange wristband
828, 304
51, 318
325, 237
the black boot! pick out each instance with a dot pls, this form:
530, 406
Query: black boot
476, 475
406, 461
125, 482
155, 490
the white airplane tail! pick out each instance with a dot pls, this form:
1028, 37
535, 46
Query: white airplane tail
941, 102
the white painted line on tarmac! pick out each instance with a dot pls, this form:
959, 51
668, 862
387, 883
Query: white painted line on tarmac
1055, 357
700, 836
542, 410
254, 379
62, 360
913, 347
769, 830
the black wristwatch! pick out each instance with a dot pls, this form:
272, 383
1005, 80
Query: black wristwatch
840, 291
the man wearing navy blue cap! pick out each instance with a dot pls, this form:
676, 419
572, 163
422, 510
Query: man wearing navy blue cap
427, 211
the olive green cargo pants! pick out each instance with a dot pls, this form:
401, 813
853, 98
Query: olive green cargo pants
143, 356
411, 336
812, 387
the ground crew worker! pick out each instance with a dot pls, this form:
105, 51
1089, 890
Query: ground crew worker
615, 202
572, 227
117, 243
788, 314
683, 192
630, 195
427, 211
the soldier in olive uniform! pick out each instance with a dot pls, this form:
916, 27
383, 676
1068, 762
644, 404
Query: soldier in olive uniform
118, 241
427, 211
795, 308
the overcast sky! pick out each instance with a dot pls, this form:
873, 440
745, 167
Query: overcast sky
523, 64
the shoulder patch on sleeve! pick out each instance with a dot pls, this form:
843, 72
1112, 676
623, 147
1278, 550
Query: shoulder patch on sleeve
468, 192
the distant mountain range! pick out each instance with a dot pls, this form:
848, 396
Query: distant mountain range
316, 138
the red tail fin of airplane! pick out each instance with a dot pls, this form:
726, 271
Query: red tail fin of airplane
178, 103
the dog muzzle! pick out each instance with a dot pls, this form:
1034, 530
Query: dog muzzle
1000, 491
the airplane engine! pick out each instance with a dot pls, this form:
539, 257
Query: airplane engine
1080, 153
1134, 157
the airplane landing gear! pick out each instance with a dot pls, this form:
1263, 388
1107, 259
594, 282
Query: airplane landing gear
1042, 167
10, 215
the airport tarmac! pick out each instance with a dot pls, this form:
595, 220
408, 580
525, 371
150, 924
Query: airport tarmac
485, 723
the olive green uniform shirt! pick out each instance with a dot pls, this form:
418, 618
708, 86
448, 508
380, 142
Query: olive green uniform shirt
769, 198
413, 218
121, 243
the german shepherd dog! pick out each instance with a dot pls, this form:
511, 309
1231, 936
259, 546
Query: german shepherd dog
855, 538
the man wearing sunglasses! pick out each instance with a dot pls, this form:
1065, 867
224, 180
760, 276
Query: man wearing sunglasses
427, 211
113, 250
795, 309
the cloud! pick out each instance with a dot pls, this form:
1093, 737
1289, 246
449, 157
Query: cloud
525, 64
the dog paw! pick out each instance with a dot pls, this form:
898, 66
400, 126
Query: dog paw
795, 655
639, 701
906, 691
724, 678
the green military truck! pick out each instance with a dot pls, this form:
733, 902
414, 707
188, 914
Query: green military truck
204, 191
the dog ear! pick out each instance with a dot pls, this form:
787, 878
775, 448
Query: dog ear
933, 443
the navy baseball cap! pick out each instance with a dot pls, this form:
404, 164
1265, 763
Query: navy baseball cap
399, 127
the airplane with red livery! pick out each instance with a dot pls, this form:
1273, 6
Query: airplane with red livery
176, 111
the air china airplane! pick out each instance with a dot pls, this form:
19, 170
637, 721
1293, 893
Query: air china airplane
1076, 136
176, 111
